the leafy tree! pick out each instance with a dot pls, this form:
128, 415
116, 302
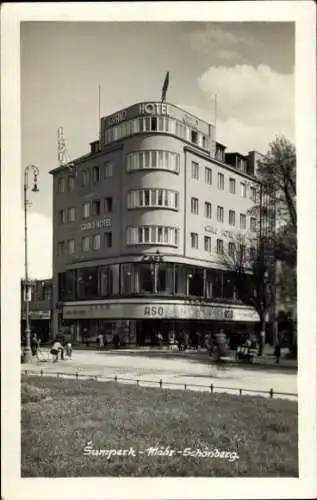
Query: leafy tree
277, 169
252, 274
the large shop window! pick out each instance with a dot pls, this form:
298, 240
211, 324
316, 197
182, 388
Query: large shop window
155, 235
127, 279
164, 278
189, 280
67, 285
161, 160
153, 198
87, 283
109, 280
228, 286
214, 284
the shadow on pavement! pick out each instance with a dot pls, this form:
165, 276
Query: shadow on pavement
202, 357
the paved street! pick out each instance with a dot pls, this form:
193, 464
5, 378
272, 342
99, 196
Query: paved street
173, 368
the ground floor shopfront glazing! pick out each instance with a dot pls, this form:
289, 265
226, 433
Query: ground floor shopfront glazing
139, 323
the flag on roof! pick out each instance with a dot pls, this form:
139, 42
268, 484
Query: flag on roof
165, 86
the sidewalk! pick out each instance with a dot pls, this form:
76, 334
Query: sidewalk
266, 360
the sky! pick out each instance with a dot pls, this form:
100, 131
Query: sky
249, 66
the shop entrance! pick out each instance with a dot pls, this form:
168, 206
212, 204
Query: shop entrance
147, 331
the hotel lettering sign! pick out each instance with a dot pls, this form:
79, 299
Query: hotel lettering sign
147, 108
156, 109
96, 224
129, 310
190, 121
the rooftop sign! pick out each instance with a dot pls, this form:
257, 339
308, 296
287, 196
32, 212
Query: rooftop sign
155, 109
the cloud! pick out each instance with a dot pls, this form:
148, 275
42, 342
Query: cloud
39, 246
219, 44
254, 104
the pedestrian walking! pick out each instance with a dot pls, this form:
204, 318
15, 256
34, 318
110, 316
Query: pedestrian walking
56, 349
69, 350
277, 353
34, 345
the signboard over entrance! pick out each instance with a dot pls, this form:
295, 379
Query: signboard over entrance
128, 310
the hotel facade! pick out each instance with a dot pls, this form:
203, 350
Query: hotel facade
140, 227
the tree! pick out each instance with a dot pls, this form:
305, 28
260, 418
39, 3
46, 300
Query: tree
278, 170
250, 262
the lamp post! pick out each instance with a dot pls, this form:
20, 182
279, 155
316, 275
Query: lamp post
27, 355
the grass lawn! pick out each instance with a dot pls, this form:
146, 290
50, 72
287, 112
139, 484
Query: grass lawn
60, 417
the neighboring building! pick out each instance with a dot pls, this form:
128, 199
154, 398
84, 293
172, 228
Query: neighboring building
40, 308
140, 225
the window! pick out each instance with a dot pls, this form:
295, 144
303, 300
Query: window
96, 208
207, 244
146, 193
154, 159
242, 165
87, 283
108, 205
232, 217
253, 224
252, 254
221, 181
86, 210
219, 213
243, 189
158, 235
153, 123
152, 198
96, 242
85, 243
194, 240
60, 248
208, 175
61, 217
207, 209
194, 206
231, 249
108, 170
108, 240
71, 182
71, 214
85, 178
61, 185
242, 252
253, 194
232, 186
243, 221
71, 247
194, 137
195, 170
219, 247
96, 175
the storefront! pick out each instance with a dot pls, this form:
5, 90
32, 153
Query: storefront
40, 324
138, 322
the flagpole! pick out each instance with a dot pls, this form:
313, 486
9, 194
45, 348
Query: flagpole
99, 111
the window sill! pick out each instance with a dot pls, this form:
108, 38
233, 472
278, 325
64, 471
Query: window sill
154, 207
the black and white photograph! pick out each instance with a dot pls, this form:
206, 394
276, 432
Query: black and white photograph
161, 310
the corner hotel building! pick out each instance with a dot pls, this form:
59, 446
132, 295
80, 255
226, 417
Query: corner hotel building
139, 227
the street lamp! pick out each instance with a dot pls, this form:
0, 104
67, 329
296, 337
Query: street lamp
27, 355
